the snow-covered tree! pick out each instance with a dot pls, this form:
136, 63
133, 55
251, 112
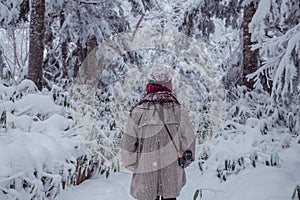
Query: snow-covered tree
141, 7
199, 19
13, 45
13, 12
74, 28
270, 29
275, 28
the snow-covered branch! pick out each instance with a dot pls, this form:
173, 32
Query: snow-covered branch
279, 63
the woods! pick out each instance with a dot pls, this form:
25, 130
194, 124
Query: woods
236, 67
67, 42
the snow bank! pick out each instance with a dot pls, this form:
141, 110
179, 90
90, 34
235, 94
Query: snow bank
37, 152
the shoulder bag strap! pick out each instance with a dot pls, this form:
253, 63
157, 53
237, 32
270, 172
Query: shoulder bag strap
161, 116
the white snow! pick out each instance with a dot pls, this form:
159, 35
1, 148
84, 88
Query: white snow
40, 140
262, 182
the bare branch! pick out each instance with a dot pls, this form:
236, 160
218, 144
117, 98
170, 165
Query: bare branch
137, 26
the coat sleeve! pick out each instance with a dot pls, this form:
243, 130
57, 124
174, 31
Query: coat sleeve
188, 136
129, 145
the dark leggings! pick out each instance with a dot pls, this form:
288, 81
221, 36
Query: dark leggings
157, 198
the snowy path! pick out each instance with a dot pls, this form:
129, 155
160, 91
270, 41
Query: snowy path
262, 183
116, 187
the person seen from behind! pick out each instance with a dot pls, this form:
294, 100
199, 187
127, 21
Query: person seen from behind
158, 142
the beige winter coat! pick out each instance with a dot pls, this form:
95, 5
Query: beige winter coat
147, 149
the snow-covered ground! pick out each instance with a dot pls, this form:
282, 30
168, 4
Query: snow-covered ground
261, 183
37, 140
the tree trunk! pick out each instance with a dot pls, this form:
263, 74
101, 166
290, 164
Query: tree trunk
2, 65
250, 58
64, 47
36, 43
82, 52
90, 45
78, 54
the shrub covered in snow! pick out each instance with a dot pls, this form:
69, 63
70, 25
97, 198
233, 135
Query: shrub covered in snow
41, 152
255, 133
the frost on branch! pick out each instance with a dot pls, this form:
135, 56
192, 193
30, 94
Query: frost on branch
275, 27
281, 65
